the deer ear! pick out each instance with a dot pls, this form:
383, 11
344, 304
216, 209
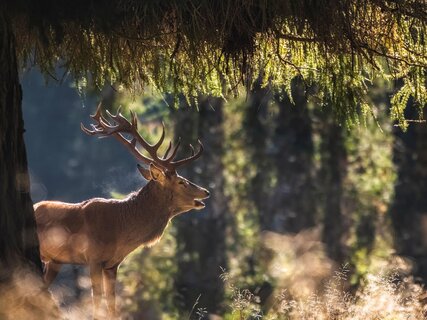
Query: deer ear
144, 172
156, 173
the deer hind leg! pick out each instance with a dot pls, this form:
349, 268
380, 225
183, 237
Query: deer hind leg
96, 279
51, 270
109, 276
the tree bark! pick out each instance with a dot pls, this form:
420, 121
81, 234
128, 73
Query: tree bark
201, 235
18, 230
409, 208
22, 293
257, 142
332, 176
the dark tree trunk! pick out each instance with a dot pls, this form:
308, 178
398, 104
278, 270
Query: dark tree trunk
18, 238
292, 204
332, 175
201, 235
21, 289
256, 133
409, 209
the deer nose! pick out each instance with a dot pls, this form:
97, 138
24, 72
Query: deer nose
207, 193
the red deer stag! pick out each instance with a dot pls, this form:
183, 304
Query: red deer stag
102, 232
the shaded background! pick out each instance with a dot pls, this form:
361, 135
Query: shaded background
295, 197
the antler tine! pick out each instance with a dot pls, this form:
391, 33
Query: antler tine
118, 125
159, 143
192, 150
98, 113
97, 128
114, 116
191, 158
122, 123
174, 152
86, 130
103, 127
167, 150
132, 128
134, 119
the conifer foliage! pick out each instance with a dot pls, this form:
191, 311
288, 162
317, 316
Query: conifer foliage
211, 47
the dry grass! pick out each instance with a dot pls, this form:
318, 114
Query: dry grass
309, 288
381, 297
24, 296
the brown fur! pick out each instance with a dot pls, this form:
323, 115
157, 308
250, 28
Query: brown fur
102, 232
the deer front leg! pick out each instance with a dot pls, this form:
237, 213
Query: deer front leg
109, 276
96, 279
51, 270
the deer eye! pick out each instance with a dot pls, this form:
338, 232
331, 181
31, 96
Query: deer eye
184, 183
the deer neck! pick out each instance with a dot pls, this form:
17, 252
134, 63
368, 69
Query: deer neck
147, 214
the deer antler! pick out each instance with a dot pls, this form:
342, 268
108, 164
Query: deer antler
121, 126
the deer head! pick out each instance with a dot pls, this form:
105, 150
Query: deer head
185, 194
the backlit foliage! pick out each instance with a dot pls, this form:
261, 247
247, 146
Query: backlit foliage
214, 47
147, 280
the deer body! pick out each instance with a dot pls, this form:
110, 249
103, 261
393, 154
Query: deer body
101, 232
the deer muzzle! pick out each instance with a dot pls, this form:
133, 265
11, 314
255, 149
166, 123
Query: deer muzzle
198, 203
